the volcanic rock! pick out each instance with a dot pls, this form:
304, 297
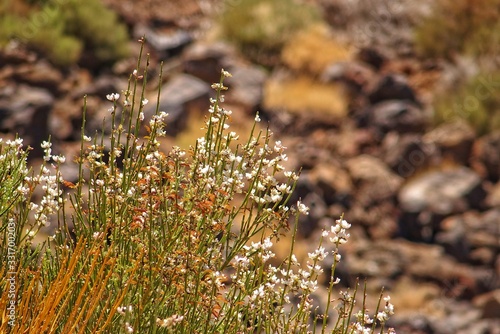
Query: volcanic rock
486, 155
454, 141
180, 96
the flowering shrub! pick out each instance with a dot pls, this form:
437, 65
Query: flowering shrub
166, 241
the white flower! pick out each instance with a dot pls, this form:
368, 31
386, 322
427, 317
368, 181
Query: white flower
97, 235
278, 146
319, 254
113, 96
291, 175
242, 261
129, 328
22, 189
302, 208
144, 102
257, 118
46, 144
168, 322
344, 224
382, 317
60, 159
267, 243
389, 308
14, 143
284, 188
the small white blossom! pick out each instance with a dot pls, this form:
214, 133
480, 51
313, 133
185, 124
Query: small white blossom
170, 321
319, 254
303, 209
46, 144
382, 317
129, 328
60, 159
113, 97
98, 235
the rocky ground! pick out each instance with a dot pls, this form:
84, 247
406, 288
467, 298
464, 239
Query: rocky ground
424, 201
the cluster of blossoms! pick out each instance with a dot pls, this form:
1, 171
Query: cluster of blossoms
338, 233
11, 153
157, 125
105, 180
19, 184
52, 193
170, 321
290, 279
364, 322
51, 199
122, 310
13, 171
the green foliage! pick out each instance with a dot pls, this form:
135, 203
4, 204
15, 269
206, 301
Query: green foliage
9, 25
62, 30
463, 26
477, 101
262, 26
52, 40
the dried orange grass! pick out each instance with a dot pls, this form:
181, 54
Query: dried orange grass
42, 308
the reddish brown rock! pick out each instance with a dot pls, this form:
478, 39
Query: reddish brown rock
453, 140
407, 154
40, 74
486, 158
373, 178
489, 304
391, 87
333, 181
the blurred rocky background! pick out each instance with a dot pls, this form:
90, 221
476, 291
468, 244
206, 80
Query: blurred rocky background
390, 107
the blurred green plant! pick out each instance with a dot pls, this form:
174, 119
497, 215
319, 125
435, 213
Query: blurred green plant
460, 27
99, 29
261, 27
476, 101
63, 30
